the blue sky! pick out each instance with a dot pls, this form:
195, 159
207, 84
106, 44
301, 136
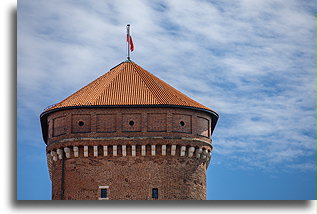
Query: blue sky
251, 61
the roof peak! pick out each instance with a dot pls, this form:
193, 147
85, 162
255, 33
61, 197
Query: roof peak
128, 84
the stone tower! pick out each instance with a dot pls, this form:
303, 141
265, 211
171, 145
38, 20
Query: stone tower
128, 135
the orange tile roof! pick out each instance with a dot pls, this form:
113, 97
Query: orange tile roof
127, 84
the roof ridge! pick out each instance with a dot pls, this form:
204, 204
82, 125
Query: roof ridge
154, 88
109, 84
165, 87
127, 87
178, 94
181, 95
136, 69
75, 96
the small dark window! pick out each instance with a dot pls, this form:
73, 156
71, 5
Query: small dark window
81, 123
131, 123
103, 193
155, 193
182, 123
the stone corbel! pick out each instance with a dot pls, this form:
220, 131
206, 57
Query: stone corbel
163, 149
76, 151
67, 152
114, 150
198, 152
143, 151
133, 151
183, 150
191, 151
124, 150
54, 155
85, 151
153, 150
60, 153
105, 150
173, 150
95, 151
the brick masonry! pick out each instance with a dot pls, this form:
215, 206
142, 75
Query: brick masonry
131, 178
127, 173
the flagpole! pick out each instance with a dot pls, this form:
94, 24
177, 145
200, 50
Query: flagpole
128, 40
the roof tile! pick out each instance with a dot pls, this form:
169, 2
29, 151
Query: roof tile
127, 84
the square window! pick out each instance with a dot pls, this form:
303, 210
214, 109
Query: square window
155, 193
103, 193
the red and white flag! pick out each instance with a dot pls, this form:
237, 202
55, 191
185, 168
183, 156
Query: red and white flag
129, 40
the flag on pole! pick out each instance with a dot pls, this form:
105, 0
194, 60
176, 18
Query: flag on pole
129, 40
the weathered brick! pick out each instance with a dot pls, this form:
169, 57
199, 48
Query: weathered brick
180, 176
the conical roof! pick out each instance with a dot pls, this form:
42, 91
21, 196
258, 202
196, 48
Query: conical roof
128, 84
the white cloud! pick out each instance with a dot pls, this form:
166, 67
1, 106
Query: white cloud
251, 61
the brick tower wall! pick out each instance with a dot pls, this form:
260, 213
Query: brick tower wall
93, 149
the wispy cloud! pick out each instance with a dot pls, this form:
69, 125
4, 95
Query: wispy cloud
251, 61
